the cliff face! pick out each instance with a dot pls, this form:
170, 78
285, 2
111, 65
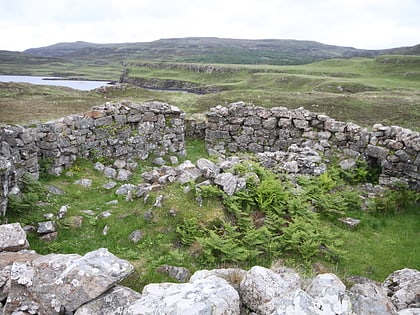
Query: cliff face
72, 284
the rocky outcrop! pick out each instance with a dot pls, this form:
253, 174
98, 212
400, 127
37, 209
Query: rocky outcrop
170, 85
72, 284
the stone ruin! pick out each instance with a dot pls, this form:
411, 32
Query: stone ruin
61, 284
122, 130
291, 140
276, 132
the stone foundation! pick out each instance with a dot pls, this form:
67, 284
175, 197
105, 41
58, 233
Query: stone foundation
137, 131
239, 127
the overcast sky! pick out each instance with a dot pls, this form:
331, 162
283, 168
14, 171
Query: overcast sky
369, 24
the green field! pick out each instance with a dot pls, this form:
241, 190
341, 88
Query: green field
201, 237
384, 89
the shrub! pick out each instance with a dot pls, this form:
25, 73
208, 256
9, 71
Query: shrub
265, 221
394, 200
30, 194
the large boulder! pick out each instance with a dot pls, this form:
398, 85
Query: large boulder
12, 238
113, 302
403, 288
211, 295
233, 276
329, 294
368, 298
298, 303
263, 290
228, 182
58, 281
209, 169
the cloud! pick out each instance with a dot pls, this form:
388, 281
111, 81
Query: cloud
357, 23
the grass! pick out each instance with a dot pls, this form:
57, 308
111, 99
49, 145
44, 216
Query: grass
365, 91
362, 90
380, 245
377, 247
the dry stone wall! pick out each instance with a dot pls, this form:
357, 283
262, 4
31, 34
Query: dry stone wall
123, 130
127, 130
239, 127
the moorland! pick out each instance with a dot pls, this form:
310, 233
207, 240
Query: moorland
364, 87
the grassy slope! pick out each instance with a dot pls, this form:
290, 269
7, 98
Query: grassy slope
366, 91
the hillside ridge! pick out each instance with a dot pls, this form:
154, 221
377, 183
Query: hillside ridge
212, 50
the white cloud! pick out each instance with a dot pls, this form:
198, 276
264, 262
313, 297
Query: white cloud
358, 23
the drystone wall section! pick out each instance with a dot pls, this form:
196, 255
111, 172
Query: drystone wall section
240, 127
18, 156
123, 130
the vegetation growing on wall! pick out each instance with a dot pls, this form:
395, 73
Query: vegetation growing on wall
274, 218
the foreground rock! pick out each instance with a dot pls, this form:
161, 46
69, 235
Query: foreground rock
211, 295
12, 238
72, 284
113, 302
57, 281
403, 287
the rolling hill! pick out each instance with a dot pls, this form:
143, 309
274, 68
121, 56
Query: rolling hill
211, 50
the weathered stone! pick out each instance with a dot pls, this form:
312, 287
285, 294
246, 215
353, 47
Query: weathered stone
263, 290
403, 288
12, 237
135, 236
348, 164
368, 298
49, 237
124, 175
187, 172
113, 302
85, 182
209, 169
57, 280
125, 189
173, 159
227, 181
329, 294
297, 303
159, 161
180, 274
377, 152
62, 212
104, 214
110, 172
55, 190
409, 311
109, 185
350, 222
46, 227
212, 295
233, 276
158, 201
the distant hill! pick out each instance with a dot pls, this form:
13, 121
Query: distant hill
24, 58
207, 50
201, 50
